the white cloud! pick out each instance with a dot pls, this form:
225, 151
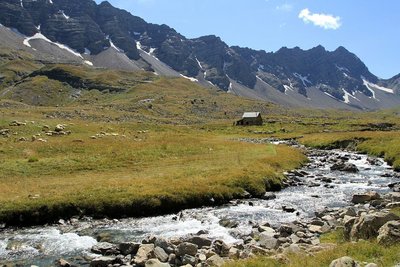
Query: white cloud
322, 20
285, 7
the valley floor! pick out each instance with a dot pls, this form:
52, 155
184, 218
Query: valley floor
128, 169
60, 167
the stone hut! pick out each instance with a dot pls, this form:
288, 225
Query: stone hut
250, 118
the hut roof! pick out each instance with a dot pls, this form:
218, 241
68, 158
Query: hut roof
251, 114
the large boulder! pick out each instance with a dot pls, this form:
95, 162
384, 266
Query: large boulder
215, 261
348, 222
389, 234
189, 260
161, 254
221, 248
266, 231
186, 248
144, 253
268, 242
200, 241
269, 196
167, 246
367, 226
228, 223
156, 263
344, 167
128, 248
365, 197
103, 247
344, 262
102, 261
287, 229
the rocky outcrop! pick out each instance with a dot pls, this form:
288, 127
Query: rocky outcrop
344, 262
367, 226
389, 233
75, 80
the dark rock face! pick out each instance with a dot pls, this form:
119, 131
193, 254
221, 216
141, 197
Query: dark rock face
85, 26
306, 68
79, 24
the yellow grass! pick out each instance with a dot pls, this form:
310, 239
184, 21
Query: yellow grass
140, 164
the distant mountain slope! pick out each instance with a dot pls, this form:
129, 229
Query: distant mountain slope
80, 31
393, 83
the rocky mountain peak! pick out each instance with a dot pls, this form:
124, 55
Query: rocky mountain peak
105, 4
291, 76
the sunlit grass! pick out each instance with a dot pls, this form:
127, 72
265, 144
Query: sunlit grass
362, 251
138, 164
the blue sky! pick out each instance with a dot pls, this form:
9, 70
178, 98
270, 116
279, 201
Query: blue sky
368, 28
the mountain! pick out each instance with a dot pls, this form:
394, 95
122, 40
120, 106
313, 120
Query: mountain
393, 83
82, 32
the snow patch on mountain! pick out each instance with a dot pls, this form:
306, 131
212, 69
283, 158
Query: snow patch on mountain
114, 46
210, 83
366, 83
261, 80
62, 13
189, 78
21, 3
288, 88
328, 94
372, 86
140, 47
87, 62
44, 38
199, 63
87, 51
347, 96
230, 88
304, 79
342, 68
151, 51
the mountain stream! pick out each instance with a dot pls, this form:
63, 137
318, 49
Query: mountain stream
318, 188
